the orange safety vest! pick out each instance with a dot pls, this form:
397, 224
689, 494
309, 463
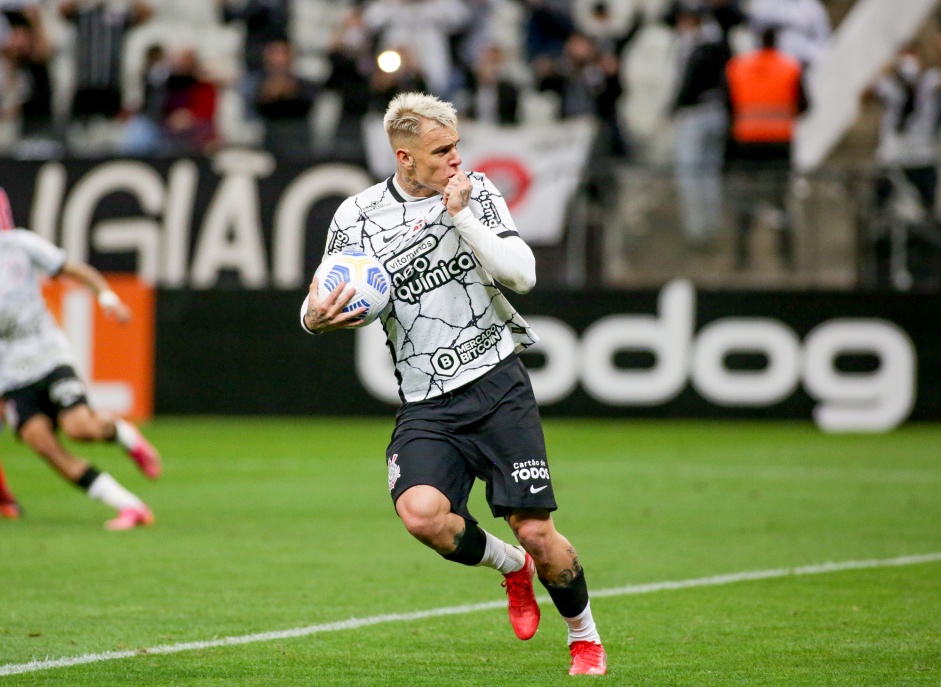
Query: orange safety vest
764, 88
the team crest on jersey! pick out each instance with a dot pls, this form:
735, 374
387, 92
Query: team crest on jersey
491, 218
394, 471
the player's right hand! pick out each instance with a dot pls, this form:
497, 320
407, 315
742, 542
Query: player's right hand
327, 314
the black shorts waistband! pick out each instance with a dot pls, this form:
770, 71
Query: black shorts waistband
511, 359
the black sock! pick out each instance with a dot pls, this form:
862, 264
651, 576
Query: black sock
89, 476
572, 598
471, 545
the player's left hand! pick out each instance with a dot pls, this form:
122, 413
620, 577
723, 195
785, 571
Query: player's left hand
457, 193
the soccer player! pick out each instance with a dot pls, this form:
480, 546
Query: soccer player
38, 382
468, 410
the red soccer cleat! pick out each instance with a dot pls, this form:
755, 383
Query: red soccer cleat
588, 658
522, 606
10, 509
129, 518
146, 457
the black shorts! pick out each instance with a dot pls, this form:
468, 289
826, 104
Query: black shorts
59, 390
488, 429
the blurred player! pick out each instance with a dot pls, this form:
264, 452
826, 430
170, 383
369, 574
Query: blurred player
38, 381
9, 508
468, 407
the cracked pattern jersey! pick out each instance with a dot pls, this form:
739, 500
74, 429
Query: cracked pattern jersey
31, 344
447, 323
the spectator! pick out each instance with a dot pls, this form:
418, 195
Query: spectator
265, 21
351, 66
27, 87
189, 107
908, 133
470, 42
17, 12
548, 24
609, 33
100, 31
424, 25
701, 121
907, 159
491, 96
587, 82
765, 96
284, 100
142, 135
727, 14
802, 26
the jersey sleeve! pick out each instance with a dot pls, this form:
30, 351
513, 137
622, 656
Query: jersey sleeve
42, 253
489, 206
492, 235
345, 232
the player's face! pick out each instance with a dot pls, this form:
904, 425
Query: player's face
435, 157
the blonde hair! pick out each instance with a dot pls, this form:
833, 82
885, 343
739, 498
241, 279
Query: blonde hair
407, 112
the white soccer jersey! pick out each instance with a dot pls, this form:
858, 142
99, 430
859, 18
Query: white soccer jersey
31, 344
447, 323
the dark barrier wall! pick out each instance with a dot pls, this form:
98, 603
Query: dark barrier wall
849, 361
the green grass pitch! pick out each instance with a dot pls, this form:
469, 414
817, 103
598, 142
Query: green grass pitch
266, 525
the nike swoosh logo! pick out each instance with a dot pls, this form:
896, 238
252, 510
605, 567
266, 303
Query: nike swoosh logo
534, 490
387, 239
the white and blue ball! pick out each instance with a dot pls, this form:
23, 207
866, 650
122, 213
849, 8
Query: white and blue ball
364, 273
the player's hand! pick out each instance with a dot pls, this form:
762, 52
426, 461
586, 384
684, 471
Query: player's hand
324, 315
457, 193
114, 307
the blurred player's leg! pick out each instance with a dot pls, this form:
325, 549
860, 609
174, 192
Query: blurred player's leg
38, 433
138, 448
81, 423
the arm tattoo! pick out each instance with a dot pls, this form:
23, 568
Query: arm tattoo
465, 198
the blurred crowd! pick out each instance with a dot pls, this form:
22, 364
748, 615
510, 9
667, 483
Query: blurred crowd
571, 52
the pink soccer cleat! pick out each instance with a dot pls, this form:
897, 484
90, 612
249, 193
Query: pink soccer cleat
129, 518
145, 455
522, 606
588, 658
10, 509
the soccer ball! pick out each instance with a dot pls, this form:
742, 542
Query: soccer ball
362, 272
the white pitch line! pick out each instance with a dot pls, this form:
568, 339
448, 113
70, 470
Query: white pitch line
353, 623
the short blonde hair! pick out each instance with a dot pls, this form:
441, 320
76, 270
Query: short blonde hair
407, 111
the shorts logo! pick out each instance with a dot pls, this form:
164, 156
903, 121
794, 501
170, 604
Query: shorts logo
531, 470
66, 392
533, 489
394, 471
